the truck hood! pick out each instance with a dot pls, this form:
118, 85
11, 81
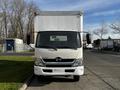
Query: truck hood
63, 53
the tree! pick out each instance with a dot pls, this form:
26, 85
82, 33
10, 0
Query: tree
16, 18
4, 6
100, 32
1, 26
32, 8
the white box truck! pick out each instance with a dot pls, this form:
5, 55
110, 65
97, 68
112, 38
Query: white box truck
59, 49
106, 44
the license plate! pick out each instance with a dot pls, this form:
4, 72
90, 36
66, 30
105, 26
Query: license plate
58, 70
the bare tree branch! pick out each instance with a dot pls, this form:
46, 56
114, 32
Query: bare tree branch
115, 27
16, 18
100, 32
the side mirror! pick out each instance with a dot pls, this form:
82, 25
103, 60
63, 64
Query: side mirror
88, 38
28, 39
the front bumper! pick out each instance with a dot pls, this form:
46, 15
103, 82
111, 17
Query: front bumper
46, 71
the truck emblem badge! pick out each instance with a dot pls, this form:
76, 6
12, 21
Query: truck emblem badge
58, 59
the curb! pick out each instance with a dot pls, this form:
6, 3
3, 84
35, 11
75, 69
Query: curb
26, 83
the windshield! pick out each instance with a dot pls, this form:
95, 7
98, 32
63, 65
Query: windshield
58, 39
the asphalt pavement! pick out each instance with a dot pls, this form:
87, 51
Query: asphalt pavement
102, 72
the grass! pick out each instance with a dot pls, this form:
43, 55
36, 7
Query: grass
14, 70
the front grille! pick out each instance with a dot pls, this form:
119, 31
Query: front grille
54, 60
58, 65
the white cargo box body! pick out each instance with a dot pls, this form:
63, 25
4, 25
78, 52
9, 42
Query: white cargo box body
59, 21
106, 44
110, 43
103, 44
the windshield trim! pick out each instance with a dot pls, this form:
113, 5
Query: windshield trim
62, 47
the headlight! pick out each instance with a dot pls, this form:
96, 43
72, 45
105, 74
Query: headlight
39, 62
77, 62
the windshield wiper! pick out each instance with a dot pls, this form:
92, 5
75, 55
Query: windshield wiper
47, 46
68, 47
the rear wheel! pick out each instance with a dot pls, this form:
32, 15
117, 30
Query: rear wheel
76, 78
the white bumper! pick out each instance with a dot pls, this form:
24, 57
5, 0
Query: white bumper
58, 70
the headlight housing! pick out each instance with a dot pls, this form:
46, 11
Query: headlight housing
39, 62
77, 62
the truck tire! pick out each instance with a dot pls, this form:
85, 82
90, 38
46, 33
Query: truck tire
39, 78
76, 78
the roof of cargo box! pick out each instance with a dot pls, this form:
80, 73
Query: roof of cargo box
60, 13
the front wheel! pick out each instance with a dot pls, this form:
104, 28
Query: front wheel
76, 78
40, 77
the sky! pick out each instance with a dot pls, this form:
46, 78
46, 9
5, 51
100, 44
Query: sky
95, 11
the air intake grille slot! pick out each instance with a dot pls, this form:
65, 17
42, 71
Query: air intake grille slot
54, 60
58, 65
